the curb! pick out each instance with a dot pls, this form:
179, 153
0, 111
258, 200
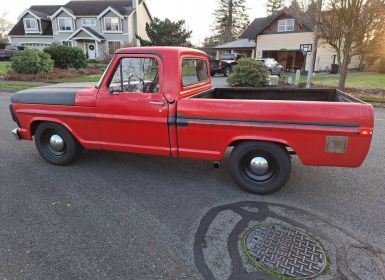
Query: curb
9, 90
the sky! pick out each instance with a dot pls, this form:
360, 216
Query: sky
196, 13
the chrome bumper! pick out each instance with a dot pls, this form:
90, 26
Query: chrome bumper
15, 133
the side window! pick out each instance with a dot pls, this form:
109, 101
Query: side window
135, 75
194, 71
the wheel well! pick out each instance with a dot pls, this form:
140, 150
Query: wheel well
289, 149
34, 126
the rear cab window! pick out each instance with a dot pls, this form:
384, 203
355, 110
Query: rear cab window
194, 71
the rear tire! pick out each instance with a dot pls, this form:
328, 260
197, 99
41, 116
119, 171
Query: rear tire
260, 167
227, 72
56, 144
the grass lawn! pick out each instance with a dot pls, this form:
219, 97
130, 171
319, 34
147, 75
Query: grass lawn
354, 80
81, 79
4, 66
16, 86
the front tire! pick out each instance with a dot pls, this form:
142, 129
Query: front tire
260, 167
56, 144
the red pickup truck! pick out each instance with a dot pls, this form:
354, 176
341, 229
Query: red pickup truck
159, 100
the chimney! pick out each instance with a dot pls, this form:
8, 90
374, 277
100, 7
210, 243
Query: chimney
135, 4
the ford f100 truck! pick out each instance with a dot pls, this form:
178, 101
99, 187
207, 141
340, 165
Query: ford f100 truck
160, 101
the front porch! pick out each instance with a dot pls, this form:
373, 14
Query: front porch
92, 43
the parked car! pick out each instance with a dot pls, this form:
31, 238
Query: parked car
160, 101
272, 66
224, 64
8, 51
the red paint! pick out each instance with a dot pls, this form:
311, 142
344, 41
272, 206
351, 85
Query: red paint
129, 123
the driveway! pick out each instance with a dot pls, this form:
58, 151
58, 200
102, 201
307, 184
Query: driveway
123, 216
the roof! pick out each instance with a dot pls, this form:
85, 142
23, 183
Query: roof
260, 24
89, 31
238, 44
43, 11
95, 7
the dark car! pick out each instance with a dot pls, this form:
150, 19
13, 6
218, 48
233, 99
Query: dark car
224, 64
8, 51
272, 66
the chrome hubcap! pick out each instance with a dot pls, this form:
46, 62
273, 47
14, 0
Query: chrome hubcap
56, 143
259, 166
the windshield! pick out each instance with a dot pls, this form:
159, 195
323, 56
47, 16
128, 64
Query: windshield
104, 74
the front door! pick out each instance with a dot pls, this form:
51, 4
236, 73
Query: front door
131, 107
91, 50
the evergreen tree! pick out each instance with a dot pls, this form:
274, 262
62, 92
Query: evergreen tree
231, 20
166, 33
274, 6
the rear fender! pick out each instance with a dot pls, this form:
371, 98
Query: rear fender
235, 140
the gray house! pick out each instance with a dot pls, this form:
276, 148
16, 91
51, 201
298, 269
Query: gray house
98, 27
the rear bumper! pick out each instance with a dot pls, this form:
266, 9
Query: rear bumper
15, 133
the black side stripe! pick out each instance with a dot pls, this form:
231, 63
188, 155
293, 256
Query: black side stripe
184, 121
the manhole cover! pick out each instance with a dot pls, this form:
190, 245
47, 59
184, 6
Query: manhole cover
284, 251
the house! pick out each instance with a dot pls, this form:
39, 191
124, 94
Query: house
244, 47
288, 39
98, 27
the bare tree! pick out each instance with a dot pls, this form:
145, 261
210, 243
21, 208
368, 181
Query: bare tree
350, 26
5, 27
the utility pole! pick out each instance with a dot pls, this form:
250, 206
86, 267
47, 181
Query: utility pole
315, 43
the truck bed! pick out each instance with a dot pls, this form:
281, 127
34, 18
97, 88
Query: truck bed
295, 94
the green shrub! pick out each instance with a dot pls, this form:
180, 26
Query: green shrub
248, 73
31, 61
67, 57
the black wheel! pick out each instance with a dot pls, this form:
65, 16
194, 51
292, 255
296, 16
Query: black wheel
227, 72
212, 73
56, 144
260, 167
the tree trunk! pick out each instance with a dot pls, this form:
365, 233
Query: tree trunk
344, 71
315, 45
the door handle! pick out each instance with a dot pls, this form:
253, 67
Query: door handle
160, 103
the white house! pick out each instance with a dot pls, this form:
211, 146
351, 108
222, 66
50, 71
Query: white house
97, 27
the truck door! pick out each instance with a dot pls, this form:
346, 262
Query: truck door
132, 111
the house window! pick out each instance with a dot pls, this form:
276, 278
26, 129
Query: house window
113, 46
67, 43
64, 24
30, 24
88, 22
111, 24
286, 25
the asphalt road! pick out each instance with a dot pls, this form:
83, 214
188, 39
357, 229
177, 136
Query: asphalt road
122, 216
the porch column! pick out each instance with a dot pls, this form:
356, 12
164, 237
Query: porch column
96, 50
253, 54
218, 55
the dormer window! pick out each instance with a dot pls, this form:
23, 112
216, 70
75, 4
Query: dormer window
65, 24
30, 25
111, 24
286, 25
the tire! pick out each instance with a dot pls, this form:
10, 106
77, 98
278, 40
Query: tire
61, 150
212, 73
227, 72
259, 178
